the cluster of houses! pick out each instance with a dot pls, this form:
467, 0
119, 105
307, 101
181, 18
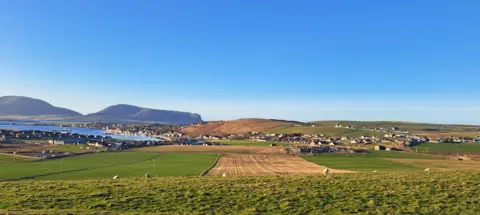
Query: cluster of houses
391, 139
318, 140
152, 130
378, 129
12, 136
62, 138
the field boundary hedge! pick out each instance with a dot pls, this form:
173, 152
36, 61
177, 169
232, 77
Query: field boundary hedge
204, 173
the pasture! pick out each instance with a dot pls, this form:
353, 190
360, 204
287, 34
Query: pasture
363, 193
446, 148
106, 165
375, 160
12, 159
70, 148
417, 128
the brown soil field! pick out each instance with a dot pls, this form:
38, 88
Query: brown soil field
450, 165
215, 149
261, 165
241, 126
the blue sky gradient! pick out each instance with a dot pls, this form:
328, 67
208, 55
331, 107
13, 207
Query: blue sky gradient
300, 60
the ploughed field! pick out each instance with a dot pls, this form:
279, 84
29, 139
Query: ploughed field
362, 193
261, 165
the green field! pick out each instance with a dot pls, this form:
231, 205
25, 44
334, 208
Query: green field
374, 160
11, 158
456, 130
446, 148
248, 143
364, 193
106, 165
69, 148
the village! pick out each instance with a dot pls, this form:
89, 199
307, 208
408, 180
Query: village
391, 136
13, 139
393, 139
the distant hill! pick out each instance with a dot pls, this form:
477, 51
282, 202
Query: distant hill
132, 113
25, 106
241, 126
408, 126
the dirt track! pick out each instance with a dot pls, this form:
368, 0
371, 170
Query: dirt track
260, 165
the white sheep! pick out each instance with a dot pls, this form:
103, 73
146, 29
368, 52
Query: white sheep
374, 170
224, 174
326, 171
116, 177
427, 169
148, 175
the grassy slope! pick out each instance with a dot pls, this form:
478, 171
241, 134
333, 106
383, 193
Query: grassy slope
369, 193
165, 165
457, 130
240, 126
446, 147
106, 165
326, 127
366, 162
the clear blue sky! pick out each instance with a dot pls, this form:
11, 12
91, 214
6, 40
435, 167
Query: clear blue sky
303, 60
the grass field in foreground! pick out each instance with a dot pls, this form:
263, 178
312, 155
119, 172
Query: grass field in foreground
375, 160
446, 147
364, 193
106, 165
